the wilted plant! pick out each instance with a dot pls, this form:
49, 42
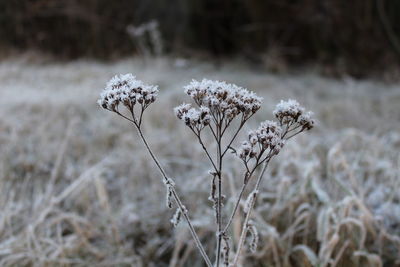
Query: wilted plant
222, 109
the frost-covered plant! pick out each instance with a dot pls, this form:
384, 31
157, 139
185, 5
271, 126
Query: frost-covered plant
221, 109
125, 91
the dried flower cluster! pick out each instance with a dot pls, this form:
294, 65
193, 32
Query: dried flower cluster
194, 118
224, 99
306, 120
127, 90
267, 136
270, 135
218, 104
290, 112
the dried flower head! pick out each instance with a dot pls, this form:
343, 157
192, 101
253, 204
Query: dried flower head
194, 118
227, 99
293, 117
306, 120
246, 150
127, 90
288, 111
267, 136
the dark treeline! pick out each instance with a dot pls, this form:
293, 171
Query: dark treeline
363, 34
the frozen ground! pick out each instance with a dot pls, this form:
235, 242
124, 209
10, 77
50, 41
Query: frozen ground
78, 189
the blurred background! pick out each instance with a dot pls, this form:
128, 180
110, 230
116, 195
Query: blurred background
345, 36
77, 188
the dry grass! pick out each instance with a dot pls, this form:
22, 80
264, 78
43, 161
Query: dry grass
78, 189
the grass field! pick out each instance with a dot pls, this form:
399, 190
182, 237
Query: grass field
77, 188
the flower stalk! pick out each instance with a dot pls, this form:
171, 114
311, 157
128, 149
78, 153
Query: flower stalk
126, 89
217, 106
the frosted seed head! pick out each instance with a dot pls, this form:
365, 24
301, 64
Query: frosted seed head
245, 150
126, 89
293, 116
306, 120
228, 99
287, 111
278, 147
102, 101
269, 134
205, 115
253, 138
181, 110
192, 117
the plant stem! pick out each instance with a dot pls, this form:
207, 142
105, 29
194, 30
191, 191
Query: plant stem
246, 221
176, 197
246, 181
235, 208
219, 200
205, 149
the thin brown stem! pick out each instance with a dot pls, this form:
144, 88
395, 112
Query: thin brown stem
236, 207
293, 135
226, 126
266, 161
247, 218
126, 118
213, 132
233, 139
141, 116
242, 123
219, 199
249, 174
205, 149
178, 201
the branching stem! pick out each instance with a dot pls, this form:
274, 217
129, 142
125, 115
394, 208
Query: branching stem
219, 199
247, 218
167, 181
